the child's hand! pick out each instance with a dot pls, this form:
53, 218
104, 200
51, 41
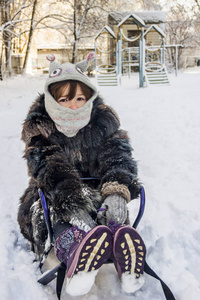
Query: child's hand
114, 208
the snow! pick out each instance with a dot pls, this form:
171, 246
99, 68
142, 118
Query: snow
130, 283
84, 282
151, 17
164, 127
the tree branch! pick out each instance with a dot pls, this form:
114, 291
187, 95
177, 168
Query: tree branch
53, 16
17, 14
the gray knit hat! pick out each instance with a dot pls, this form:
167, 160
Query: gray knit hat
69, 121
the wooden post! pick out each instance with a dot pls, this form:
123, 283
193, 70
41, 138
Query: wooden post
176, 70
116, 57
141, 59
129, 63
120, 58
163, 52
95, 60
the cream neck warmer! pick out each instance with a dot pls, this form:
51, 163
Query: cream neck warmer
68, 121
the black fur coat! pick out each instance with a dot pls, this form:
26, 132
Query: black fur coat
56, 164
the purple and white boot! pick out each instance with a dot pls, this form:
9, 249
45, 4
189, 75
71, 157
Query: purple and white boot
83, 253
129, 257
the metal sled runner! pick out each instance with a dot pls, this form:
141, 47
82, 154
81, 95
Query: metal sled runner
60, 270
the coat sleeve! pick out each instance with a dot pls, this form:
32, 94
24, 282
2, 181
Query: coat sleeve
117, 167
49, 165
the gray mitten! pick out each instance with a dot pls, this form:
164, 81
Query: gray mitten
114, 208
83, 220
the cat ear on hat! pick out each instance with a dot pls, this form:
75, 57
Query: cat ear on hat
54, 66
50, 57
83, 65
90, 57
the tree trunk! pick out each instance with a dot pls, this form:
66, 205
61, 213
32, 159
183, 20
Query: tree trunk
75, 44
74, 54
5, 17
30, 37
1, 75
7, 43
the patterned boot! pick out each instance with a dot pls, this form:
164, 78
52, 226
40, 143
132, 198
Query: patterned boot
83, 253
129, 257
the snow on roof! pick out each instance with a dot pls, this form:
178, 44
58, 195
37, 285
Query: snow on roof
108, 29
149, 17
135, 17
156, 28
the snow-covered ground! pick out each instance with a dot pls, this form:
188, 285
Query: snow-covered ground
164, 127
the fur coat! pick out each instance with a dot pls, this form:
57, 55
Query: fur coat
56, 164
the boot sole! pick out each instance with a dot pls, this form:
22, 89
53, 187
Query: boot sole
94, 250
129, 252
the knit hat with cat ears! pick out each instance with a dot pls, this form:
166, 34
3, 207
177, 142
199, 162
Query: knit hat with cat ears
69, 121
68, 71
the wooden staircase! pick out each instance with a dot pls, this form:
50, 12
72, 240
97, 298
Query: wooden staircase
156, 76
107, 75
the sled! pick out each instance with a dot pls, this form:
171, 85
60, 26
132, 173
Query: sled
60, 269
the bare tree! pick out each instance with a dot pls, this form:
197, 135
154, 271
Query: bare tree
6, 32
149, 4
10, 14
179, 29
198, 4
17, 20
30, 35
86, 17
78, 20
196, 11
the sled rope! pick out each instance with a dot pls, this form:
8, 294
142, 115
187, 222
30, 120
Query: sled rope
166, 289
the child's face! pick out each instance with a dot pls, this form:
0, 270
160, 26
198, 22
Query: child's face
78, 101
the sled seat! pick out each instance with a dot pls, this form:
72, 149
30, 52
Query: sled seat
59, 271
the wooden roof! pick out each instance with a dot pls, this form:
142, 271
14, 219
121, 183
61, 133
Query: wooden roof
108, 29
132, 18
156, 28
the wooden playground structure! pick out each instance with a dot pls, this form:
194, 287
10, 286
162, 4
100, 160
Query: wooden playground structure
141, 50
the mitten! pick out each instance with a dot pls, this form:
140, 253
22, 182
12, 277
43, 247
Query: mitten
83, 220
114, 208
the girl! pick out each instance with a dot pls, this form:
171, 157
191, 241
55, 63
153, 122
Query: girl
71, 134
